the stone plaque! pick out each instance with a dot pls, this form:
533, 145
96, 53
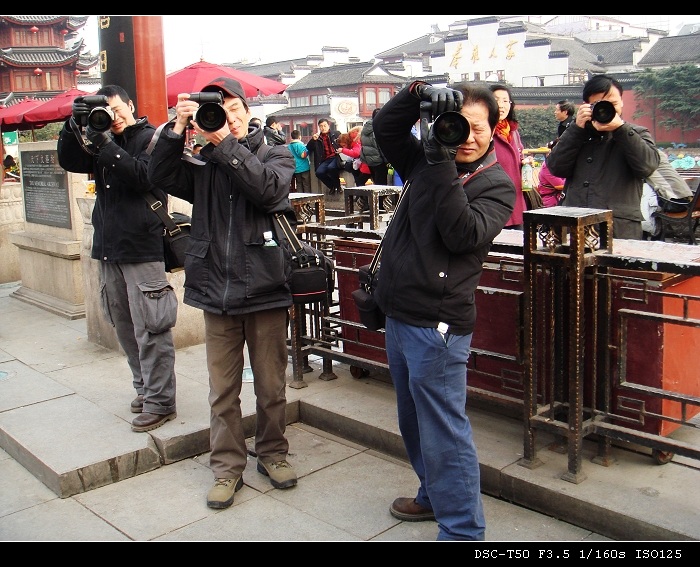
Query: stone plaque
45, 183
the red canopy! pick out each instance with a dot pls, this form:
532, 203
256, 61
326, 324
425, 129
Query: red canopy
57, 109
194, 77
12, 117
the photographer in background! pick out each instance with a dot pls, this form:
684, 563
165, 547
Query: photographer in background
564, 113
457, 199
605, 159
128, 243
274, 136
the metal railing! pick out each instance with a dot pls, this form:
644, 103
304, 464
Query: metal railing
582, 340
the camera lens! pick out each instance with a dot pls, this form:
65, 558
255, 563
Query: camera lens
451, 129
210, 117
100, 119
603, 111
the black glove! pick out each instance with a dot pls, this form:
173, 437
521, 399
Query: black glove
442, 99
98, 139
80, 110
434, 151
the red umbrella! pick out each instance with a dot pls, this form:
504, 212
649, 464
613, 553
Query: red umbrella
57, 109
12, 117
193, 78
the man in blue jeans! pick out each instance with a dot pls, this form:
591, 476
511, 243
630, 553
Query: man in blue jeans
457, 199
323, 146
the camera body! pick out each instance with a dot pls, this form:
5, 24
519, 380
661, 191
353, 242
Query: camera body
603, 111
211, 115
100, 117
450, 129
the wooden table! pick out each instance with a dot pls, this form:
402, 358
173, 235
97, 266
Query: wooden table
309, 207
373, 193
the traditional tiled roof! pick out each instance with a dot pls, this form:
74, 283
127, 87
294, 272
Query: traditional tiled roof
678, 49
71, 22
429, 44
342, 76
42, 56
618, 52
580, 58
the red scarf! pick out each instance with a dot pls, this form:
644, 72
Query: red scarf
503, 128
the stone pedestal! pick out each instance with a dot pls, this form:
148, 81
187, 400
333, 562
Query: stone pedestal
49, 244
11, 220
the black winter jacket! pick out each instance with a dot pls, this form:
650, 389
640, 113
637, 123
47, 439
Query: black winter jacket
274, 137
605, 170
233, 196
126, 229
443, 228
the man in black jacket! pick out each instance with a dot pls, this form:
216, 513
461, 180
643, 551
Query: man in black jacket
235, 279
324, 149
128, 242
457, 199
274, 136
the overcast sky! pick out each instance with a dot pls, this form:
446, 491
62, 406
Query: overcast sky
266, 38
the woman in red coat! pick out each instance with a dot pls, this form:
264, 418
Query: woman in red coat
509, 150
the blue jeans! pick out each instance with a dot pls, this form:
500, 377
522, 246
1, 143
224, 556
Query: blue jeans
430, 379
329, 174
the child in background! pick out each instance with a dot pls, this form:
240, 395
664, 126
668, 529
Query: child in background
551, 187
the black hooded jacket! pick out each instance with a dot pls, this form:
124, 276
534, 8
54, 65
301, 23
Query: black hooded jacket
126, 229
234, 194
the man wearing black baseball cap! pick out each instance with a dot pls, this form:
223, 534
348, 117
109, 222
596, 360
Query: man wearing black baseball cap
239, 284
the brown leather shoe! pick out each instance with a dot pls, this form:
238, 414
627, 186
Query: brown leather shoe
137, 404
148, 421
408, 510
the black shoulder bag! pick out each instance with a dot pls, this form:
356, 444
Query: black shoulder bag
371, 315
176, 235
313, 276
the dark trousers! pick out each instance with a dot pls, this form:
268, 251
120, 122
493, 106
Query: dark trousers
380, 174
329, 174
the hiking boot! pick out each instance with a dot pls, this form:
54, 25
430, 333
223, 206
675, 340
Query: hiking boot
408, 510
137, 404
221, 494
149, 421
281, 473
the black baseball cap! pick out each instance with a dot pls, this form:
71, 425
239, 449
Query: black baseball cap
226, 85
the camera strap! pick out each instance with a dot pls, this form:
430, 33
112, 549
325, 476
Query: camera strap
154, 141
81, 139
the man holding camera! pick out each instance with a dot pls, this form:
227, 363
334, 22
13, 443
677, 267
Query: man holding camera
238, 281
135, 294
605, 159
457, 199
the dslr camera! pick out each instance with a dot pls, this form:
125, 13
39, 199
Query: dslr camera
603, 111
100, 117
211, 115
450, 129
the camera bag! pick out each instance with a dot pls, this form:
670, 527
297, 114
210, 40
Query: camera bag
176, 234
371, 315
312, 277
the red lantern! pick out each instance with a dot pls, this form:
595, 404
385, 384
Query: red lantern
34, 29
38, 71
64, 32
76, 72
